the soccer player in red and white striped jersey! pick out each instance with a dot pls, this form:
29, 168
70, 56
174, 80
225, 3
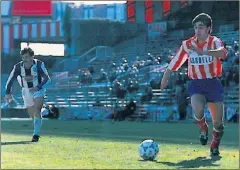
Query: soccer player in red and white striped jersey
204, 53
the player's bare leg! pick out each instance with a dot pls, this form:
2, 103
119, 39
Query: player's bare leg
31, 111
38, 103
217, 112
198, 103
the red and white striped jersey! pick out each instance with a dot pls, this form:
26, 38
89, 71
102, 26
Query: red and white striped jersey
199, 66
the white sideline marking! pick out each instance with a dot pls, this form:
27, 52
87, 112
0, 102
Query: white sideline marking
18, 119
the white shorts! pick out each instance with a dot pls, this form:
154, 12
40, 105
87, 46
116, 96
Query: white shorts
28, 96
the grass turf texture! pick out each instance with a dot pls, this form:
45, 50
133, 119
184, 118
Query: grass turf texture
101, 144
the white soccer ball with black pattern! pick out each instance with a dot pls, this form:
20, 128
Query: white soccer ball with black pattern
148, 149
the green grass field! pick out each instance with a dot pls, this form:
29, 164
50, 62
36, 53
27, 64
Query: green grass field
101, 144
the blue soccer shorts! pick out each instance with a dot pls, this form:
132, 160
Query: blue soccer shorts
212, 89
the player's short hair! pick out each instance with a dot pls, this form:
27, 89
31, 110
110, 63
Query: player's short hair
204, 18
27, 50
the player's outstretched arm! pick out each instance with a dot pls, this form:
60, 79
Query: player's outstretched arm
13, 75
220, 51
164, 81
44, 74
177, 61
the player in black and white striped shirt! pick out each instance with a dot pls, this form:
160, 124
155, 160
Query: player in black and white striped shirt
33, 77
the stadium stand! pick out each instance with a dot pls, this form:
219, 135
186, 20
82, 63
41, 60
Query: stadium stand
82, 86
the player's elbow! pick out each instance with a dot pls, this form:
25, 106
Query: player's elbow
169, 70
172, 68
46, 78
222, 53
49, 79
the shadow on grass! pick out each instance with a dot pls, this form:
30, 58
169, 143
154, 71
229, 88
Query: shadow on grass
16, 143
142, 160
194, 163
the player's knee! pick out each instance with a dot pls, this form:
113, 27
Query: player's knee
198, 109
38, 109
199, 113
37, 113
218, 126
32, 117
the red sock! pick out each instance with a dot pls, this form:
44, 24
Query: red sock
202, 124
217, 136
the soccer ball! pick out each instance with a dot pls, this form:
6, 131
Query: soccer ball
148, 149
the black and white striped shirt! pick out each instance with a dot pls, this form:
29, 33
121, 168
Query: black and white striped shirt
38, 71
